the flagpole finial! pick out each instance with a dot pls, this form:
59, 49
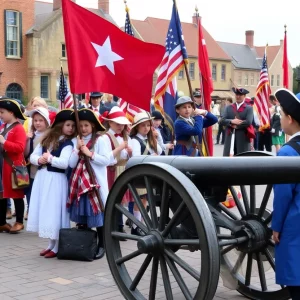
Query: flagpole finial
285, 27
196, 9
126, 7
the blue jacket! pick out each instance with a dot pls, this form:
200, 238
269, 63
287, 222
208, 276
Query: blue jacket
185, 132
286, 220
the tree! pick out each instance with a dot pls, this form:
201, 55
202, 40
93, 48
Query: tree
296, 79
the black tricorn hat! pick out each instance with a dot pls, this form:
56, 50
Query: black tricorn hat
64, 115
197, 94
157, 115
240, 91
13, 106
289, 102
86, 114
96, 94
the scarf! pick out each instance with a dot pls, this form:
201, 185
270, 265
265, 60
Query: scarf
80, 184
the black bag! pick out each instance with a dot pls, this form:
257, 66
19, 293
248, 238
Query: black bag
77, 244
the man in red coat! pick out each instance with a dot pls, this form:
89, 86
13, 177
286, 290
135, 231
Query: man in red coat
12, 144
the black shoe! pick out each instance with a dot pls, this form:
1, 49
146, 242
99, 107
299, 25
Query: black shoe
100, 253
137, 231
121, 229
128, 223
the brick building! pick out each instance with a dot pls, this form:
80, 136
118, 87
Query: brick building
18, 18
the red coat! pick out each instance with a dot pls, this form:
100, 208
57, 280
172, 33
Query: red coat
14, 146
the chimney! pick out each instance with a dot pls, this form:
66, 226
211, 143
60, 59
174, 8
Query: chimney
250, 38
104, 5
281, 42
56, 4
195, 19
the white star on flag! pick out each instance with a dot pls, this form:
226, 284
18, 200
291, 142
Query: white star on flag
106, 57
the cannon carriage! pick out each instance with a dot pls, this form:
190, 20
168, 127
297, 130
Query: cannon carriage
189, 238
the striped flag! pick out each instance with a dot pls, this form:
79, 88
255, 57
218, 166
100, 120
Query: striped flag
263, 91
65, 96
129, 109
173, 61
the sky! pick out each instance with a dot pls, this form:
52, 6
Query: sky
226, 21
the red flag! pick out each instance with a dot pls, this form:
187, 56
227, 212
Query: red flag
285, 64
207, 86
102, 57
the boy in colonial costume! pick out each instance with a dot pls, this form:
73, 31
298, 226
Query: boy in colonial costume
12, 146
286, 213
83, 202
238, 119
188, 128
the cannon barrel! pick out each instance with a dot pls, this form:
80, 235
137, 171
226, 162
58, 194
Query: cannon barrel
230, 170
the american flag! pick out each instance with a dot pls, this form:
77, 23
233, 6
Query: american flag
166, 87
128, 26
263, 91
65, 96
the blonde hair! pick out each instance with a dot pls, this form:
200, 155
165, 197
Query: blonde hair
40, 101
105, 97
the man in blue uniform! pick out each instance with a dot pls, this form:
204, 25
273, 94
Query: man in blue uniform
286, 213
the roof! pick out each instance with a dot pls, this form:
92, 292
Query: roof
155, 30
272, 52
43, 20
242, 56
41, 7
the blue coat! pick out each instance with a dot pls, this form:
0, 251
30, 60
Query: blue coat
286, 220
184, 132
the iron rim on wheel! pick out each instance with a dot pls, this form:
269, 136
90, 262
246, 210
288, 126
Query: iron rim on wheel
177, 203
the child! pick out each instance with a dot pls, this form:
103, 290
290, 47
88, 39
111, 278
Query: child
12, 145
164, 134
40, 123
48, 212
115, 136
286, 213
143, 143
84, 206
188, 128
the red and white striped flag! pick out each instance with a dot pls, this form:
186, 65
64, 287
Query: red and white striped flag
263, 91
129, 109
65, 97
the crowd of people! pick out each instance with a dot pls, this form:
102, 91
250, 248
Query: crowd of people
60, 188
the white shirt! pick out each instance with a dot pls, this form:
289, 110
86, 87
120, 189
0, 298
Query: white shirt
294, 135
160, 140
137, 149
238, 105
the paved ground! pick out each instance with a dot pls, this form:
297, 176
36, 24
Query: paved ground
24, 275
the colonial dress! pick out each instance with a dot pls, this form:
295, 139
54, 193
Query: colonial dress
48, 212
242, 142
82, 207
187, 132
286, 221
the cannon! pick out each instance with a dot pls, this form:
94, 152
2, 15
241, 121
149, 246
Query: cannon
189, 238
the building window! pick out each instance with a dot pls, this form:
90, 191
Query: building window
252, 79
192, 71
181, 74
45, 86
240, 78
272, 80
223, 73
14, 91
214, 72
246, 79
13, 33
63, 50
278, 80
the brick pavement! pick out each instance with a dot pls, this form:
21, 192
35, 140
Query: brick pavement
24, 275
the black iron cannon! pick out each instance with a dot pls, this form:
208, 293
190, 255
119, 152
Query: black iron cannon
186, 212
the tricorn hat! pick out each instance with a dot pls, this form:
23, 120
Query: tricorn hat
157, 115
240, 91
64, 115
197, 94
289, 102
86, 114
184, 100
96, 94
13, 106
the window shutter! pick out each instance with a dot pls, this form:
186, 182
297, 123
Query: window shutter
20, 33
5, 34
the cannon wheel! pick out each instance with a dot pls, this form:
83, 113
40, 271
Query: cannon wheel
263, 257
158, 245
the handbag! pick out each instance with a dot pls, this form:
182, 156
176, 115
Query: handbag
77, 244
19, 175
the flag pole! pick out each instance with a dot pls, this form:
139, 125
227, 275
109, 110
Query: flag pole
87, 159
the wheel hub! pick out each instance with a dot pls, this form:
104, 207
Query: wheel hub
257, 233
151, 243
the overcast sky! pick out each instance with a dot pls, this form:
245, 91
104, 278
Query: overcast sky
226, 21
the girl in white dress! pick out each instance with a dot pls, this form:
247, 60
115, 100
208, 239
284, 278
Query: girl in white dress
48, 212
144, 142
117, 134
83, 202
